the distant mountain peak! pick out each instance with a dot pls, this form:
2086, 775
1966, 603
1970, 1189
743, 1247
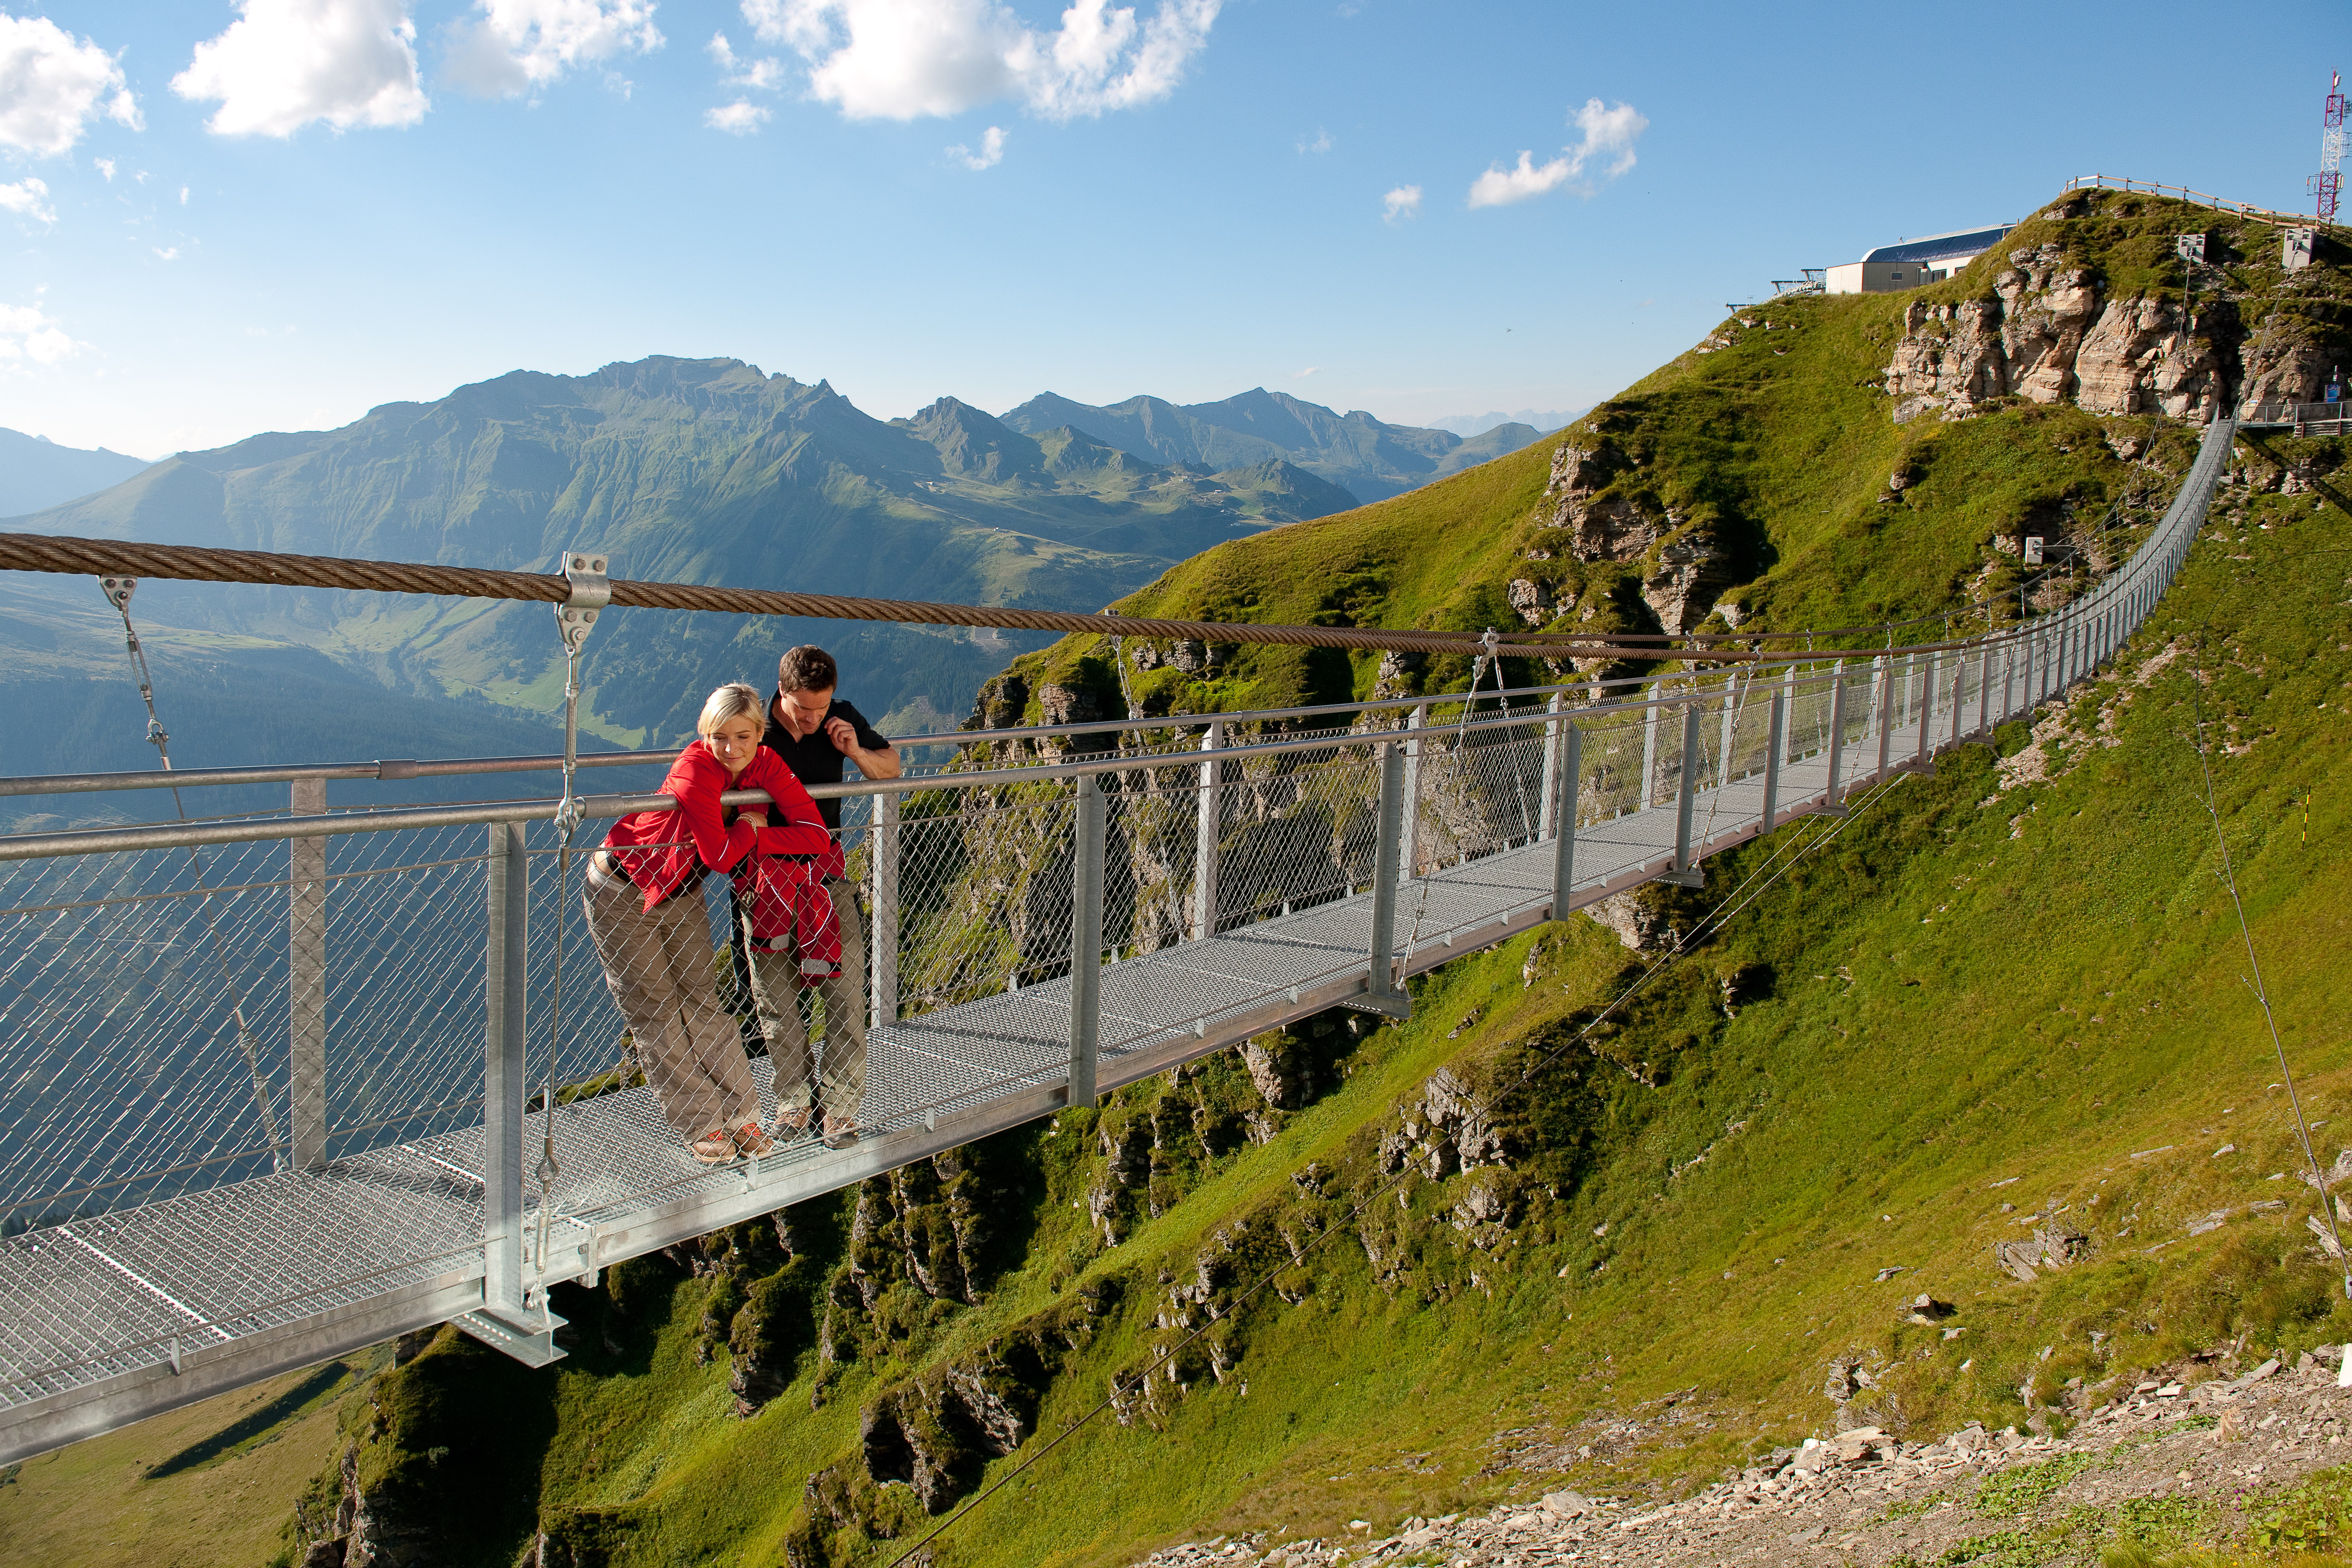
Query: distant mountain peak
1359, 454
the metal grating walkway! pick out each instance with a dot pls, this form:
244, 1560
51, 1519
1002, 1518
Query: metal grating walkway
101, 1319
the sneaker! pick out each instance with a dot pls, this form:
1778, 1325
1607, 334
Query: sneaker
752, 1142
793, 1123
840, 1132
715, 1148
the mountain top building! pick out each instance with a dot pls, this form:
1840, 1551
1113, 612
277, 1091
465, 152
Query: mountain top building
1892, 268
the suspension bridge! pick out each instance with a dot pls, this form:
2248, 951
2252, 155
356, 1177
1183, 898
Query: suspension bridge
280, 1086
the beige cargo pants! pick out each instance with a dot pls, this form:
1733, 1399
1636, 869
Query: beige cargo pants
657, 966
840, 1081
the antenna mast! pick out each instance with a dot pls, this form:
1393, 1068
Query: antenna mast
2328, 183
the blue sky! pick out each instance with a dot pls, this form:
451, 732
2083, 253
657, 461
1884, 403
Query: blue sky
218, 219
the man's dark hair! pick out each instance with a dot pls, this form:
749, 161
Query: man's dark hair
807, 668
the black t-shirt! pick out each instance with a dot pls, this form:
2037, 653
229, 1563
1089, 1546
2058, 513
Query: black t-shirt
813, 759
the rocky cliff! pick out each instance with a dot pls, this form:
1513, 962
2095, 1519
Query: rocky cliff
2120, 328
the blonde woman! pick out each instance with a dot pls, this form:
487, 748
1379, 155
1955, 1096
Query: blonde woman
648, 922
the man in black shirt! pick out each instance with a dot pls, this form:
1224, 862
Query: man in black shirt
817, 735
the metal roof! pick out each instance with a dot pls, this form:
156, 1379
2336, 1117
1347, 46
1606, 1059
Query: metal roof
1936, 246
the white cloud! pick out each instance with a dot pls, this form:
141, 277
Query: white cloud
27, 332
739, 118
765, 74
166, 253
991, 153
518, 46
1303, 375
50, 86
900, 59
106, 167
183, 195
284, 63
1402, 202
1322, 143
29, 198
1609, 135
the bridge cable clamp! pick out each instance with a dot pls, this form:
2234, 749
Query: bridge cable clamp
592, 591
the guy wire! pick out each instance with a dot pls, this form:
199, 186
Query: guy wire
2261, 995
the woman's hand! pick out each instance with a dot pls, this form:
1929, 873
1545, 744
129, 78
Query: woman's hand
757, 817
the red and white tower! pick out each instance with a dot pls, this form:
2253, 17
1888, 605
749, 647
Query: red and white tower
2328, 183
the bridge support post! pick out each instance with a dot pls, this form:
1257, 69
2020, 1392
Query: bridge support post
505, 972
1409, 836
306, 982
1563, 859
1685, 874
1206, 833
1730, 716
1788, 711
1775, 741
1649, 754
1959, 695
1882, 711
1923, 761
1984, 692
1085, 941
885, 945
1833, 802
1555, 737
1381, 992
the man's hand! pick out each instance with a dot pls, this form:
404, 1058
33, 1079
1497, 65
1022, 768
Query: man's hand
843, 734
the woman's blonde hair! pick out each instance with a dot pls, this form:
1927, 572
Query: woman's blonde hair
733, 701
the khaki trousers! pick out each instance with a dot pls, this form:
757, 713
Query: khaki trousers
775, 996
657, 966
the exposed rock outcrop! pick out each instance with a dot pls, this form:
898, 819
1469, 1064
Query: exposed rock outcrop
2049, 335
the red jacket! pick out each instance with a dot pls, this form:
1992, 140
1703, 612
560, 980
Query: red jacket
787, 902
660, 849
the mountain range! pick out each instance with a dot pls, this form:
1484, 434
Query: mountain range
712, 472
35, 472
1372, 458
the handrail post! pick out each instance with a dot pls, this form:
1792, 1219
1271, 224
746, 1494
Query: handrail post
1685, 789
503, 977
1206, 834
1833, 802
1924, 762
1775, 741
1379, 981
306, 981
1730, 716
1959, 695
1984, 691
1882, 707
1409, 836
1555, 737
885, 1009
1563, 859
1085, 941
1649, 754
1789, 711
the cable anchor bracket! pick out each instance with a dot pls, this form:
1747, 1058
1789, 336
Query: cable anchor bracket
592, 591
